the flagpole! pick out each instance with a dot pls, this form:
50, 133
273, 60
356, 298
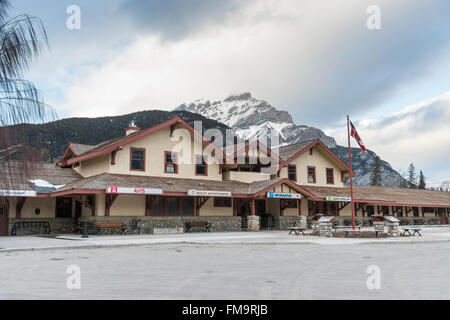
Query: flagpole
350, 173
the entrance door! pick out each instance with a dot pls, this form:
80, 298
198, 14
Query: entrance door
443, 216
260, 207
64, 207
4, 216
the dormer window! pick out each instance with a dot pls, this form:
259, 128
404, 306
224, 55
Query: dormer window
292, 172
201, 168
171, 162
137, 162
311, 174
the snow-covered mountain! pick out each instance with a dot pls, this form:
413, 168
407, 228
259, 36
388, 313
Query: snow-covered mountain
444, 186
251, 118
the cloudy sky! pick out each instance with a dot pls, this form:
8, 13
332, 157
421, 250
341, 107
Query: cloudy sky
317, 59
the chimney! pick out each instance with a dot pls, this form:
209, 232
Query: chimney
132, 128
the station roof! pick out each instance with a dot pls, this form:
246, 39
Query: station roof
386, 196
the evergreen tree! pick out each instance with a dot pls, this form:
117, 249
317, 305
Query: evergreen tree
375, 176
422, 184
412, 181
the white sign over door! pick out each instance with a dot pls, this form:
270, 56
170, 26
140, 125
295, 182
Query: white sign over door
17, 193
278, 195
206, 193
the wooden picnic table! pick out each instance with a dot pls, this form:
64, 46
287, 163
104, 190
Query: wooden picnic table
297, 230
414, 232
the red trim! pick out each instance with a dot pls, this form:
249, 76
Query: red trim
205, 159
307, 174
132, 128
139, 135
69, 148
332, 175
288, 182
174, 163
109, 201
73, 191
312, 145
131, 159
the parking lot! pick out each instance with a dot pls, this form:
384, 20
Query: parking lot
235, 269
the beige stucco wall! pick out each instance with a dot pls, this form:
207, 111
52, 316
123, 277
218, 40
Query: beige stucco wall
208, 209
94, 166
155, 145
128, 205
47, 206
319, 159
243, 176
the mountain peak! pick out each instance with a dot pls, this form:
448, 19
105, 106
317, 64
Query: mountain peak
253, 118
239, 96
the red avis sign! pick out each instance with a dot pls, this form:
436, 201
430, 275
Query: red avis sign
137, 190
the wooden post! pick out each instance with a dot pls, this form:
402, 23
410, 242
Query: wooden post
299, 203
109, 200
253, 207
19, 205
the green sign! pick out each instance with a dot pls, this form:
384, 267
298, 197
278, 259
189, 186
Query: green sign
343, 199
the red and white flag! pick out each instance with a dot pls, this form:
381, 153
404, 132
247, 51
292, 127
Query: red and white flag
355, 135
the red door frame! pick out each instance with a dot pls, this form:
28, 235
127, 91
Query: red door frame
4, 218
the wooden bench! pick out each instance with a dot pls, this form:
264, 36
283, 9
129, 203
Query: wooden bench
111, 225
297, 230
198, 224
414, 232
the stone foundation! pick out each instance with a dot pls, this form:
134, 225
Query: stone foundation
57, 226
379, 226
323, 229
392, 229
285, 223
253, 223
146, 225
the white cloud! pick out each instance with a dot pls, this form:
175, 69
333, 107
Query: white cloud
419, 133
316, 59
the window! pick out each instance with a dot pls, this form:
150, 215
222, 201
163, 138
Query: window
292, 172
312, 174
330, 176
137, 159
171, 162
370, 211
201, 168
222, 202
172, 206
187, 206
158, 207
